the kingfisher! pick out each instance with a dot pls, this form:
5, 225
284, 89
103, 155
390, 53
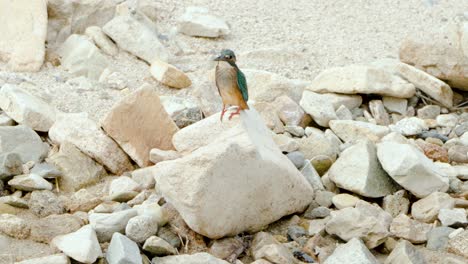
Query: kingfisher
231, 83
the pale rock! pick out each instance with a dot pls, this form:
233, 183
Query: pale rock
322, 107
5, 120
219, 170
459, 244
30, 182
365, 221
23, 141
145, 177
227, 248
353, 252
201, 133
395, 105
169, 75
285, 143
461, 171
207, 95
409, 126
344, 113
289, 112
317, 226
197, 22
141, 227
405, 253
123, 189
123, 250
395, 137
14, 226
396, 204
10, 165
81, 245
275, 253
159, 247
25, 108
78, 170
80, 57
354, 79
158, 155
311, 175
297, 158
51, 259
447, 120
147, 125
411, 169
261, 261
427, 83
24, 30
197, 258
82, 200
379, 113
458, 154
101, 40
46, 170
358, 170
266, 86
113, 80
106, 224
441, 257
14, 201
409, 229
429, 112
137, 38
183, 110
87, 136
270, 116
453, 217
45, 203
427, 209
438, 238
349, 130
344, 200
317, 144
45, 229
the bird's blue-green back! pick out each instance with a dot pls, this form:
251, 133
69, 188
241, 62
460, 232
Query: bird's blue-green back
242, 83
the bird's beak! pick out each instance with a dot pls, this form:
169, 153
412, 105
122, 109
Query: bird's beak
219, 58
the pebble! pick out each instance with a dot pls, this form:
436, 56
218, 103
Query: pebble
438, 237
427, 209
429, 112
344, 200
324, 198
354, 250
447, 120
45, 203
297, 158
158, 246
14, 226
295, 232
81, 245
123, 250
455, 217
409, 229
141, 227
397, 203
296, 131
30, 182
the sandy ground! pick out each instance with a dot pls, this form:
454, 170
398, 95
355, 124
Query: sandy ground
296, 39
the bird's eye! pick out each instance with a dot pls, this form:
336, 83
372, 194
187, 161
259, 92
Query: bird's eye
228, 56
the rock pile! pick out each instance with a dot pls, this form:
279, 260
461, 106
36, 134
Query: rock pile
363, 164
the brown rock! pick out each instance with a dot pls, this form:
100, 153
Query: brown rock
169, 75
459, 244
139, 123
435, 152
45, 229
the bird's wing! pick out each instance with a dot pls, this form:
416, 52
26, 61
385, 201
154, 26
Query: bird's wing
242, 84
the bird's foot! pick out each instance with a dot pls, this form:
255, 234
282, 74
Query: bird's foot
222, 113
235, 113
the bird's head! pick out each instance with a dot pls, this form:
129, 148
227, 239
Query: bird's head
226, 55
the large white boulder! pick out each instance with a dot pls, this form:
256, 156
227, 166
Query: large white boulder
81, 245
238, 183
410, 168
23, 25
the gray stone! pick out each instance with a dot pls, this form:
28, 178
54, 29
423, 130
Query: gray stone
123, 189
409, 229
429, 112
427, 209
81, 245
377, 110
46, 170
197, 258
141, 227
45, 203
447, 120
358, 170
324, 198
10, 165
409, 126
14, 201
311, 175
405, 253
397, 203
349, 130
458, 154
319, 212
197, 22
136, 38
297, 158
184, 111
438, 237
458, 244
410, 168
123, 251
453, 217
145, 177
275, 253
159, 247
25, 108
14, 226
353, 252
365, 221
30, 182
395, 105
23, 141
107, 224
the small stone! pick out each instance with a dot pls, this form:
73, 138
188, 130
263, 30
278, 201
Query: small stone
30, 182
123, 189
14, 226
453, 217
295, 232
145, 177
429, 112
311, 175
169, 75
427, 209
14, 201
46, 170
158, 155
141, 227
378, 112
447, 120
396, 204
289, 112
459, 244
193, 258
285, 143
45, 203
321, 163
296, 131
52, 259
158, 246
354, 251
106, 224
197, 22
409, 126
438, 238
82, 200
123, 250
45, 229
227, 248
113, 79
395, 105
317, 226
270, 117
435, 152
170, 236
349, 130
275, 253
297, 158
319, 212
10, 165
23, 141
101, 40
324, 198
409, 229
458, 154
184, 111
5, 120
344, 113
405, 252
461, 128
81, 245
316, 144
344, 200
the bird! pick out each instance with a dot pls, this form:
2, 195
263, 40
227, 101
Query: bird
231, 83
